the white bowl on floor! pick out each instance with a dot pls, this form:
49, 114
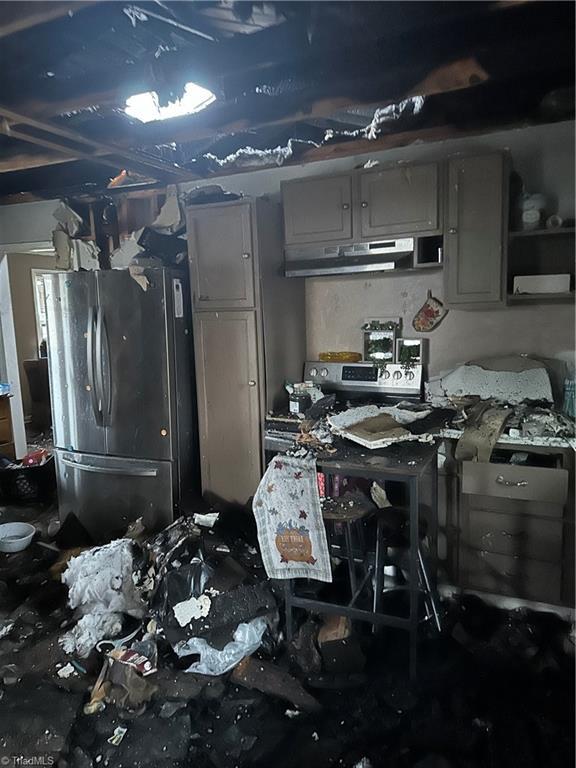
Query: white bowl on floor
14, 537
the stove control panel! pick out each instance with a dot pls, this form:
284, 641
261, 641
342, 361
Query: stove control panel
393, 378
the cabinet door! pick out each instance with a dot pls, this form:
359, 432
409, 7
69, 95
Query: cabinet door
399, 201
474, 243
228, 404
317, 210
221, 256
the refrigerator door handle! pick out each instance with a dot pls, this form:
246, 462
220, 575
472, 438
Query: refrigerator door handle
96, 400
103, 347
109, 470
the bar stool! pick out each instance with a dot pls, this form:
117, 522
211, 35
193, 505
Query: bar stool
393, 533
350, 512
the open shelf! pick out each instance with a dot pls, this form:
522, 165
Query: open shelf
543, 232
535, 298
541, 253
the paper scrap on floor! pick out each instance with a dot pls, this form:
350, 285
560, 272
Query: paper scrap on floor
373, 426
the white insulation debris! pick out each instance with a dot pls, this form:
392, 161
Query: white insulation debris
248, 157
89, 630
382, 116
101, 588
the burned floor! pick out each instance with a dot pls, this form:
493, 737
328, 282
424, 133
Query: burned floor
494, 689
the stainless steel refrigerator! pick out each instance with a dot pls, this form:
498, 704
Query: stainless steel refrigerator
123, 396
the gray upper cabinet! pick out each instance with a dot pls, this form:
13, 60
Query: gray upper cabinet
475, 232
318, 210
399, 201
220, 251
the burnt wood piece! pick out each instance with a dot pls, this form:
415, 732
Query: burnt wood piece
273, 681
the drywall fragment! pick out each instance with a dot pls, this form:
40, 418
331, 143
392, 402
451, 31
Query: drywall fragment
66, 671
515, 381
194, 608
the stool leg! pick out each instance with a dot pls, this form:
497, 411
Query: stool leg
430, 591
350, 557
378, 568
361, 539
413, 586
288, 608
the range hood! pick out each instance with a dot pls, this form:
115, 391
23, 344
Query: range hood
377, 256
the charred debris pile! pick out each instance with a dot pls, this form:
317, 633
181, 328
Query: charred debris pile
168, 650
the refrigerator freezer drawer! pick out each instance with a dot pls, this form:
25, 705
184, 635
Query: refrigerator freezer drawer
108, 493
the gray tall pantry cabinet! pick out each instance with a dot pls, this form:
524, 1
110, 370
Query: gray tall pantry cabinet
249, 332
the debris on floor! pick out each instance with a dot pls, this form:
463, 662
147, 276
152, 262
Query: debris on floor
268, 678
195, 668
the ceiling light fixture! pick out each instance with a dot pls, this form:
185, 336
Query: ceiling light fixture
146, 108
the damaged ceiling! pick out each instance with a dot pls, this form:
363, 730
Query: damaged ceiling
293, 81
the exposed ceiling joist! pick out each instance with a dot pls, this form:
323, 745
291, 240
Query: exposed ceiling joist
21, 160
76, 145
250, 114
19, 16
453, 76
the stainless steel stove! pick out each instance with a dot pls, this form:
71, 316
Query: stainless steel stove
366, 379
357, 383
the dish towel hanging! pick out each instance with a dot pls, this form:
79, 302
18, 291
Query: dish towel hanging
288, 515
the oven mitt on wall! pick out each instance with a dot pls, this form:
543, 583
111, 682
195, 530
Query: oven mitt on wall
430, 315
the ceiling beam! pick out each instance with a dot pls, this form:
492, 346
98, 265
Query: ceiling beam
21, 160
76, 179
76, 145
19, 16
457, 75
254, 112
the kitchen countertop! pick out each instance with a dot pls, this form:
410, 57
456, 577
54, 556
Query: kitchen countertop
536, 442
289, 425
400, 459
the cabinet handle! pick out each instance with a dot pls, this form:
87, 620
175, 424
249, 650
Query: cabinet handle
452, 231
364, 204
511, 483
345, 206
245, 255
251, 383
